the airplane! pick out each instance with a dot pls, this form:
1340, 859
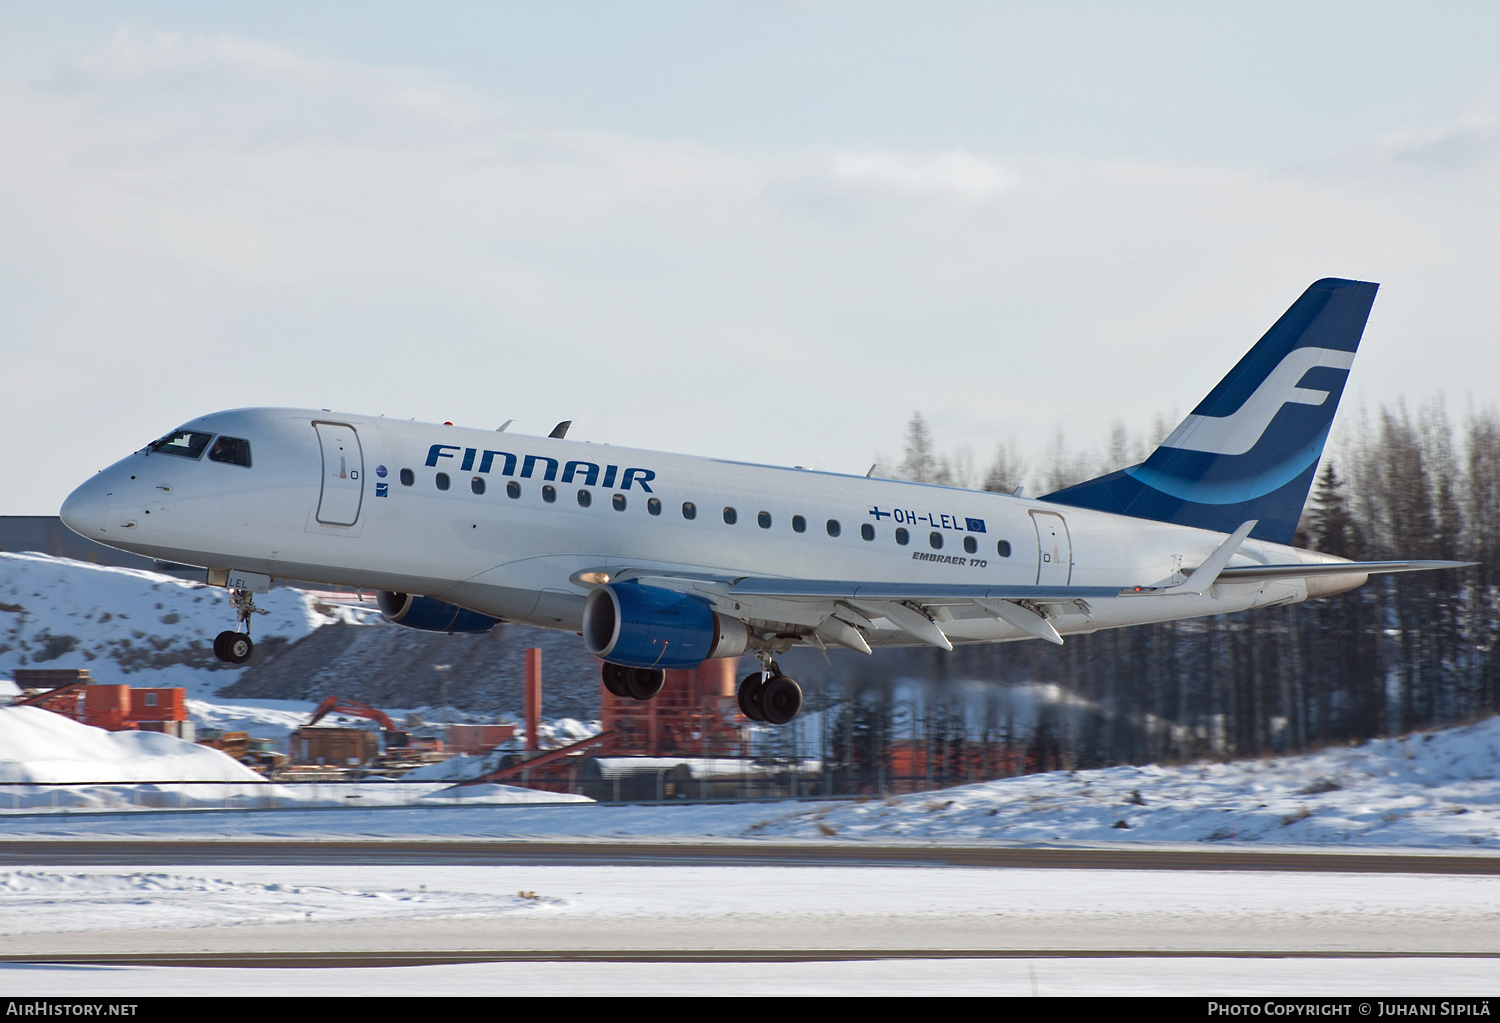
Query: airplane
664, 561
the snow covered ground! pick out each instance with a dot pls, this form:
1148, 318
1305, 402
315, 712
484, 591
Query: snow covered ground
1435, 790
290, 908
1218, 978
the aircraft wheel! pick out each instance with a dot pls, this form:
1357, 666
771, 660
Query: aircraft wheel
221, 645
749, 695
615, 676
780, 699
644, 683
236, 645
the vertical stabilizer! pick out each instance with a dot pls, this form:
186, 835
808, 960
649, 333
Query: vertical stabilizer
1251, 448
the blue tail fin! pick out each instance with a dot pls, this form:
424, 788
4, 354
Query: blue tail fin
1251, 448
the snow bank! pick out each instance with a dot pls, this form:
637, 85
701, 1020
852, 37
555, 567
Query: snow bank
491, 793
38, 746
263, 719
1432, 789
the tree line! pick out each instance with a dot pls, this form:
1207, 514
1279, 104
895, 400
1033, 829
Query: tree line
1402, 653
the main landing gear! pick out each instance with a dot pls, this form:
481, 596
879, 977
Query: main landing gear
634, 683
236, 646
768, 695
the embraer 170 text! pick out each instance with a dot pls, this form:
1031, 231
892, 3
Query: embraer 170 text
663, 561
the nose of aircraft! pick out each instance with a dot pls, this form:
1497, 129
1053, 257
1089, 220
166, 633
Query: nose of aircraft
86, 511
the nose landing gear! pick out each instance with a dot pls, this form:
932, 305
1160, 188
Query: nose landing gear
768, 695
236, 646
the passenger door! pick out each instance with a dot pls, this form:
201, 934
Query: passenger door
343, 474
1054, 550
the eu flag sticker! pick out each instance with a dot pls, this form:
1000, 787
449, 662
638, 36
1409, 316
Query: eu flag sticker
975, 525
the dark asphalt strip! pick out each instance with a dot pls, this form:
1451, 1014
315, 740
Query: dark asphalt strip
220, 852
369, 960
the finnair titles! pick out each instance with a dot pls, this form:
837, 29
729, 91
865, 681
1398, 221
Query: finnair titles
664, 561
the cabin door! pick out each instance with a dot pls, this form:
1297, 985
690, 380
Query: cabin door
343, 474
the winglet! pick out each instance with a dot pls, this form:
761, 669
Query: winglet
1205, 574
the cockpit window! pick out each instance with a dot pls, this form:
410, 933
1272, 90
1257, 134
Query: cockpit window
187, 443
232, 450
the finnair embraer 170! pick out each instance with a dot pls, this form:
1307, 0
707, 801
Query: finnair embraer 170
663, 561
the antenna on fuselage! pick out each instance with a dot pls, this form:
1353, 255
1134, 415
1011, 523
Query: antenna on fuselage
560, 430
505, 425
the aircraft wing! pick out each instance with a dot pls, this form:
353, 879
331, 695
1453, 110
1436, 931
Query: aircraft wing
842, 611
957, 593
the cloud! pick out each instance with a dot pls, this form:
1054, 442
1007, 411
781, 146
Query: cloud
957, 175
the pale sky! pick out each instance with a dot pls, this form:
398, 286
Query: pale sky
758, 230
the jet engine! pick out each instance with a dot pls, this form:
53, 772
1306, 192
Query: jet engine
650, 627
431, 615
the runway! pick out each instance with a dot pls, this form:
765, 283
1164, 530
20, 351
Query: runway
350, 915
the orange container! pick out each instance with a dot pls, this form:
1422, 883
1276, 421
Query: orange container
158, 704
106, 706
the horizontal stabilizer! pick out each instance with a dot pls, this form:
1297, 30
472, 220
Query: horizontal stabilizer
1335, 568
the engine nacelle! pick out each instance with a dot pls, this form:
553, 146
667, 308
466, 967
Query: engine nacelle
650, 627
431, 615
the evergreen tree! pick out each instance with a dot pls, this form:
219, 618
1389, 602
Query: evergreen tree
920, 464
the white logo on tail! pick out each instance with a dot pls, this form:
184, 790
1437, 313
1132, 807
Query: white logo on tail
1241, 430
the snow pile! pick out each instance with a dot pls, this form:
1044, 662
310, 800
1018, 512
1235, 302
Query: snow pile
130, 626
48, 761
491, 793
38, 746
1433, 789
460, 767
263, 719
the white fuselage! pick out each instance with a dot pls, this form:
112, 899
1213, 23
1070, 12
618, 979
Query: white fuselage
323, 499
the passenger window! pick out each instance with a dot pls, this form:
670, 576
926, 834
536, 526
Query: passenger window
833, 527
231, 450
585, 499
408, 477
936, 540
799, 524
549, 493
867, 531
477, 484
513, 489
971, 545
730, 516
442, 481
763, 520
186, 443
689, 510
902, 536
1003, 548
653, 506
619, 502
